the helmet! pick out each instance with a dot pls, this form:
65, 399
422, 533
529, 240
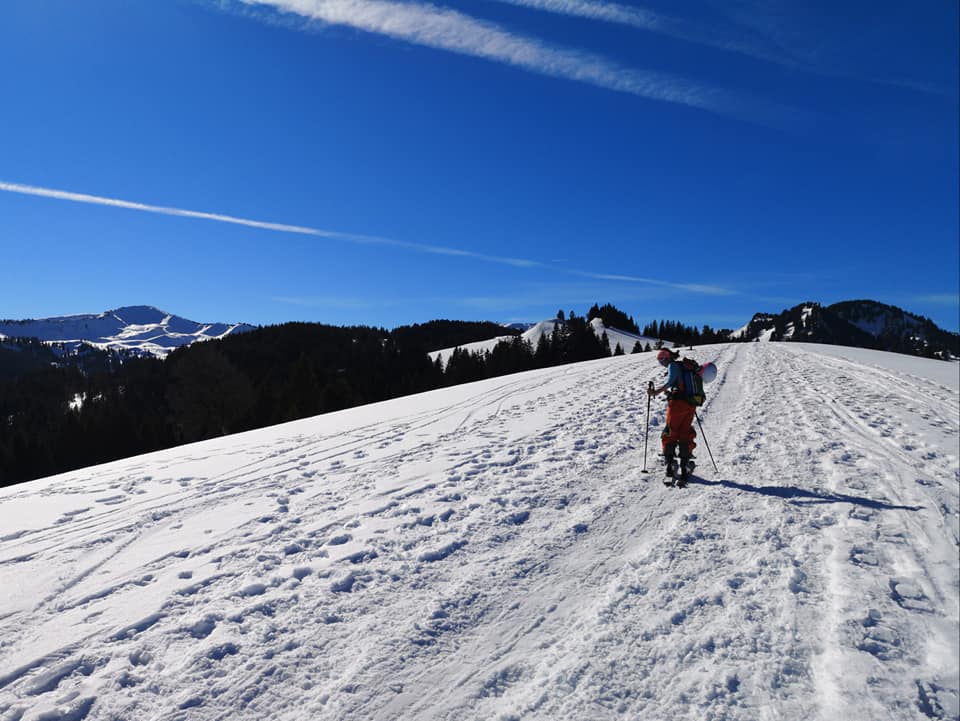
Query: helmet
708, 371
664, 355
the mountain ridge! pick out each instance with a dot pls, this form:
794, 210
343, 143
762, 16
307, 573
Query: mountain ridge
855, 323
142, 329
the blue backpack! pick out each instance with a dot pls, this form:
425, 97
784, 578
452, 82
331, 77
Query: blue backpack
691, 384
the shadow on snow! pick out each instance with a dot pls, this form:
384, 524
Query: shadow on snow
803, 496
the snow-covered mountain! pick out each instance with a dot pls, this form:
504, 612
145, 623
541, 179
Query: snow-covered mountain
857, 323
533, 334
139, 328
493, 551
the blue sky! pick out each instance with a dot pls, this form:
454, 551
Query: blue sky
495, 159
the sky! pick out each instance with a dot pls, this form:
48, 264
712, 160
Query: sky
383, 162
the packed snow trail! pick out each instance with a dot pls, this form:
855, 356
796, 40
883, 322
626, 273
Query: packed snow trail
492, 551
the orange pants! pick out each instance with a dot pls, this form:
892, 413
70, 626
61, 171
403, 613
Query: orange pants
679, 428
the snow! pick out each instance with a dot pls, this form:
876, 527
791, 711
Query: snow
144, 329
492, 551
918, 369
477, 347
625, 339
545, 328
742, 331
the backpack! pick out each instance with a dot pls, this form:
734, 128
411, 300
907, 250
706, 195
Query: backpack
691, 384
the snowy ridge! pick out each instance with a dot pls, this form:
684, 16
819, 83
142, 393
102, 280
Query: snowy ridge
491, 551
141, 328
545, 328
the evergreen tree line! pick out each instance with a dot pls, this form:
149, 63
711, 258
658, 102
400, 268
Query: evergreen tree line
572, 340
613, 317
681, 334
60, 412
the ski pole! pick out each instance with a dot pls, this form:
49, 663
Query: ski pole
704, 436
646, 434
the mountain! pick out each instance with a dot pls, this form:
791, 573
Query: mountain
860, 323
492, 551
896, 329
142, 329
519, 326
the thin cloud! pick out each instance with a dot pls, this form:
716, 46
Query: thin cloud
648, 20
356, 238
939, 299
692, 287
445, 29
760, 36
325, 302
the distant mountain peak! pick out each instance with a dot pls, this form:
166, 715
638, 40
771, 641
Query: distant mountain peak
141, 329
857, 323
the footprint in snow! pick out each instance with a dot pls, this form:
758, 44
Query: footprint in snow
863, 556
909, 595
878, 639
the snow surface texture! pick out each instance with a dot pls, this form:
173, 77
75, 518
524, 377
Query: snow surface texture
492, 551
544, 328
139, 328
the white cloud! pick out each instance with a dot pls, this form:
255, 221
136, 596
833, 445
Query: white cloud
445, 29
594, 10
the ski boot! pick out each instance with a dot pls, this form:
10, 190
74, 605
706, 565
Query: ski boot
672, 467
687, 465
672, 472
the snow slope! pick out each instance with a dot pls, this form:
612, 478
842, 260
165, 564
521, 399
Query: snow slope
544, 328
139, 328
492, 551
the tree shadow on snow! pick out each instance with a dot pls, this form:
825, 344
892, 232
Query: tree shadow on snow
803, 496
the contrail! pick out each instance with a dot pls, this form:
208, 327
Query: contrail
445, 29
337, 235
637, 17
762, 40
279, 227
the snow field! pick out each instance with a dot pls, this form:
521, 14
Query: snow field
492, 551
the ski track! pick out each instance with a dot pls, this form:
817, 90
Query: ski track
493, 552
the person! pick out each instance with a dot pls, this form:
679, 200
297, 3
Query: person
678, 437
